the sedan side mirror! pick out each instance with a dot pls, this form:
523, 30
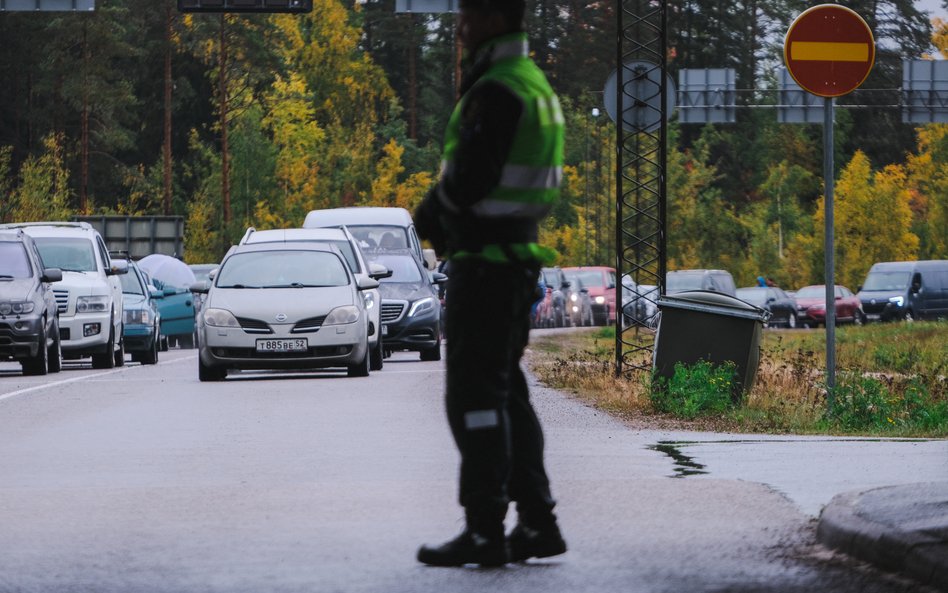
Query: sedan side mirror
119, 266
438, 278
155, 293
202, 287
52, 275
378, 271
367, 283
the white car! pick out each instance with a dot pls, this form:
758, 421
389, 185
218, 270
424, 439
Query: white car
89, 297
283, 306
352, 253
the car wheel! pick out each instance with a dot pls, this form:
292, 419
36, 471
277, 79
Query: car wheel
120, 354
206, 373
378, 358
54, 355
164, 344
909, 317
858, 318
432, 354
361, 368
151, 357
106, 360
37, 365
791, 321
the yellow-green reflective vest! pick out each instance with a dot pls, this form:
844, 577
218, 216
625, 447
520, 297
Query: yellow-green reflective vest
530, 180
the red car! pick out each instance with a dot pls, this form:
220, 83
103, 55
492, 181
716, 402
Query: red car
600, 281
811, 306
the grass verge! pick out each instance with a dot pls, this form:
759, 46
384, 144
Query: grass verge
890, 382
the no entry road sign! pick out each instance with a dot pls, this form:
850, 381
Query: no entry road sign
829, 50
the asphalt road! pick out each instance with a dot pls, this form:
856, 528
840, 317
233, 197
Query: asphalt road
142, 479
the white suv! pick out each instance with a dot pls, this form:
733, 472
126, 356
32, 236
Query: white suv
89, 296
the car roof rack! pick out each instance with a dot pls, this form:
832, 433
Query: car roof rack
56, 223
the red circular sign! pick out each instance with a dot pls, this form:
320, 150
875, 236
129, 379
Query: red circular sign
829, 50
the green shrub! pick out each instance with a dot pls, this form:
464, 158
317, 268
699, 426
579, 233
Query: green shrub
862, 403
696, 390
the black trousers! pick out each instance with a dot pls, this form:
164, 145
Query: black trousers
494, 425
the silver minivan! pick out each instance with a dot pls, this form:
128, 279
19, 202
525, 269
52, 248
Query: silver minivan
376, 228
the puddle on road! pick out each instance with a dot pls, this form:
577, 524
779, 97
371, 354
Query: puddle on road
684, 466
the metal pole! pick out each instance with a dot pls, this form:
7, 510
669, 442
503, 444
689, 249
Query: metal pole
828, 181
586, 196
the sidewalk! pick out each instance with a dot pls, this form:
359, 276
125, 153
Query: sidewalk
898, 528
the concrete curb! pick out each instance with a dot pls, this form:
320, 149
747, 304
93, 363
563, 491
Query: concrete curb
921, 555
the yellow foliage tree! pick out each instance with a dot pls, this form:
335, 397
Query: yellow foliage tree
43, 193
387, 188
872, 220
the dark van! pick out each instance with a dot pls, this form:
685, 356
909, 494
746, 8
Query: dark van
906, 290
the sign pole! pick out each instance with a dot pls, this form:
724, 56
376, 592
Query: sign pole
828, 263
829, 51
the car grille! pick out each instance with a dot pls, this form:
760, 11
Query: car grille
308, 325
874, 309
251, 353
62, 300
391, 311
254, 326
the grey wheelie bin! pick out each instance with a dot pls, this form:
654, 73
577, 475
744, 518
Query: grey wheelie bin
702, 325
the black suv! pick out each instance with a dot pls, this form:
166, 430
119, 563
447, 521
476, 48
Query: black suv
29, 316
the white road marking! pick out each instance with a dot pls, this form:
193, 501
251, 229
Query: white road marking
81, 378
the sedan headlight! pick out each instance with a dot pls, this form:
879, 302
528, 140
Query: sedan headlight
220, 318
342, 315
93, 304
16, 307
421, 306
897, 301
142, 316
573, 297
600, 300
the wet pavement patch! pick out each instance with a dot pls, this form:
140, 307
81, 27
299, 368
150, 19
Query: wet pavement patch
684, 466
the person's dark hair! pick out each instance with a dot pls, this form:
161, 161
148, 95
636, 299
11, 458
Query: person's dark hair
513, 10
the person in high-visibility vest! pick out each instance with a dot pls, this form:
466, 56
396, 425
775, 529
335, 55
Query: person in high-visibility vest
502, 167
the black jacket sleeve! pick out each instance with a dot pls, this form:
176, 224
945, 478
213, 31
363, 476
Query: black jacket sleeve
488, 127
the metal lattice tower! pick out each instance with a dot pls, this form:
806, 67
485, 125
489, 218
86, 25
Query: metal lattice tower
641, 152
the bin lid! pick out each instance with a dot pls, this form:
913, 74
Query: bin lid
707, 301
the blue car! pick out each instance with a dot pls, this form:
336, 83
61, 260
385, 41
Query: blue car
142, 333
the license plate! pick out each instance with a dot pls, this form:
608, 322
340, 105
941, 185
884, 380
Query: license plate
294, 345
384, 330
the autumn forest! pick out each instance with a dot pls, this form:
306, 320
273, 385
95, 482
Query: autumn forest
232, 121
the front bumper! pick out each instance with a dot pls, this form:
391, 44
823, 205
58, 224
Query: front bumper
419, 332
330, 346
20, 336
73, 339
139, 338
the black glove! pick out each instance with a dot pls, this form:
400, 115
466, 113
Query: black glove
427, 218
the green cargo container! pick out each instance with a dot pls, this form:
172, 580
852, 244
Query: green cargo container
710, 326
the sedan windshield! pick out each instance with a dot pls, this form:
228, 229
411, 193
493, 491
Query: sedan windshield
67, 253
754, 296
683, 282
591, 278
282, 269
887, 281
131, 283
812, 292
403, 267
13, 261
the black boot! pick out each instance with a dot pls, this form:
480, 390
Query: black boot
470, 547
539, 541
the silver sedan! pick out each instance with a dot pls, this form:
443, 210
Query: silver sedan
273, 306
